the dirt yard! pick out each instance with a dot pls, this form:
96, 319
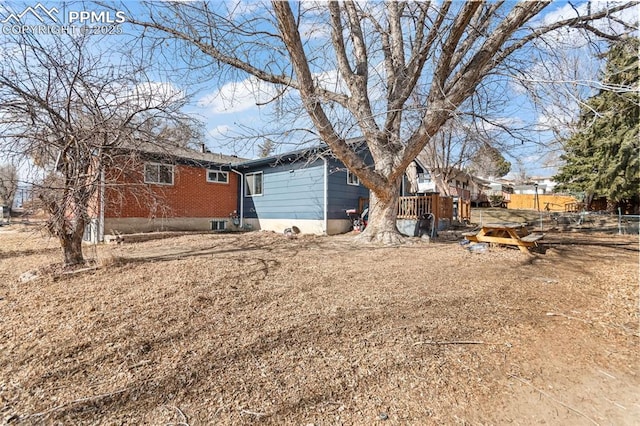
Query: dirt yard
257, 328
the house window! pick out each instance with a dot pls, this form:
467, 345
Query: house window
352, 179
161, 174
217, 176
253, 185
218, 225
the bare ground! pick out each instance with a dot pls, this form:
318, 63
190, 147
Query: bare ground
257, 328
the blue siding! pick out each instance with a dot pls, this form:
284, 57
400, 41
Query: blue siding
296, 191
341, 195
290, 191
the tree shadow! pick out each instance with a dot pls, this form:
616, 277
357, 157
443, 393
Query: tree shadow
585, 241
233, 247
28, 252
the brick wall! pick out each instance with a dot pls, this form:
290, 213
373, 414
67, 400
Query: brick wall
127, 195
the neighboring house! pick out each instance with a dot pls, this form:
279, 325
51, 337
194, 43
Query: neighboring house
491, 192
536, 185
306, 189
477, 189
151, 189
459, 182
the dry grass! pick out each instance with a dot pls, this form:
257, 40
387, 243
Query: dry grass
257, 328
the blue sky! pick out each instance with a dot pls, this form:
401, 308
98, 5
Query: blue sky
228, 107
231, 109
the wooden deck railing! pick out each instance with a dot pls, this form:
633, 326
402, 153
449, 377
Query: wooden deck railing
415, 206
442, 207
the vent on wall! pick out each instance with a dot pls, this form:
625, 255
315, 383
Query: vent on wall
218, 225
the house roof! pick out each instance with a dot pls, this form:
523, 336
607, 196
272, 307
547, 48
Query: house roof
291, 156
187, 154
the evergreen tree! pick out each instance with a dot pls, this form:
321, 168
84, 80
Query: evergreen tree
603, 157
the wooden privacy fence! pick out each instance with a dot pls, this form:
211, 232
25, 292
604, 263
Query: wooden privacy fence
544, 202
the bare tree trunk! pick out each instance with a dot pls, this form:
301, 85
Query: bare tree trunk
71, 243
383, 212
66, 221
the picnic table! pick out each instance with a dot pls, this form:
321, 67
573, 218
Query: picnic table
507, 233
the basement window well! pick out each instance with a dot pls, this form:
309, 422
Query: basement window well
218, 225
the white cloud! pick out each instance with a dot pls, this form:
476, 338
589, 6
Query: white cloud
565, 12
577, 37
238, 96
119, 96
569, 11
315, 30
497, 124
220, 130
332, 81
238, 8
555, 118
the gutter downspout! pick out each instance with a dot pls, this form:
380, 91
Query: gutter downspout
241, 197
101, 219
326, 196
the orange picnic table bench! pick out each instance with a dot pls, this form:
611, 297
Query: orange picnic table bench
507, 233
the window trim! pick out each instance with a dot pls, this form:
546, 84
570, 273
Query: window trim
226, 182
350, 181
158, 165
246, 186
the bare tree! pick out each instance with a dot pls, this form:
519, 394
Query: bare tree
266, 148
450, 151
395, 71
8, 185
68, 106
521, 176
